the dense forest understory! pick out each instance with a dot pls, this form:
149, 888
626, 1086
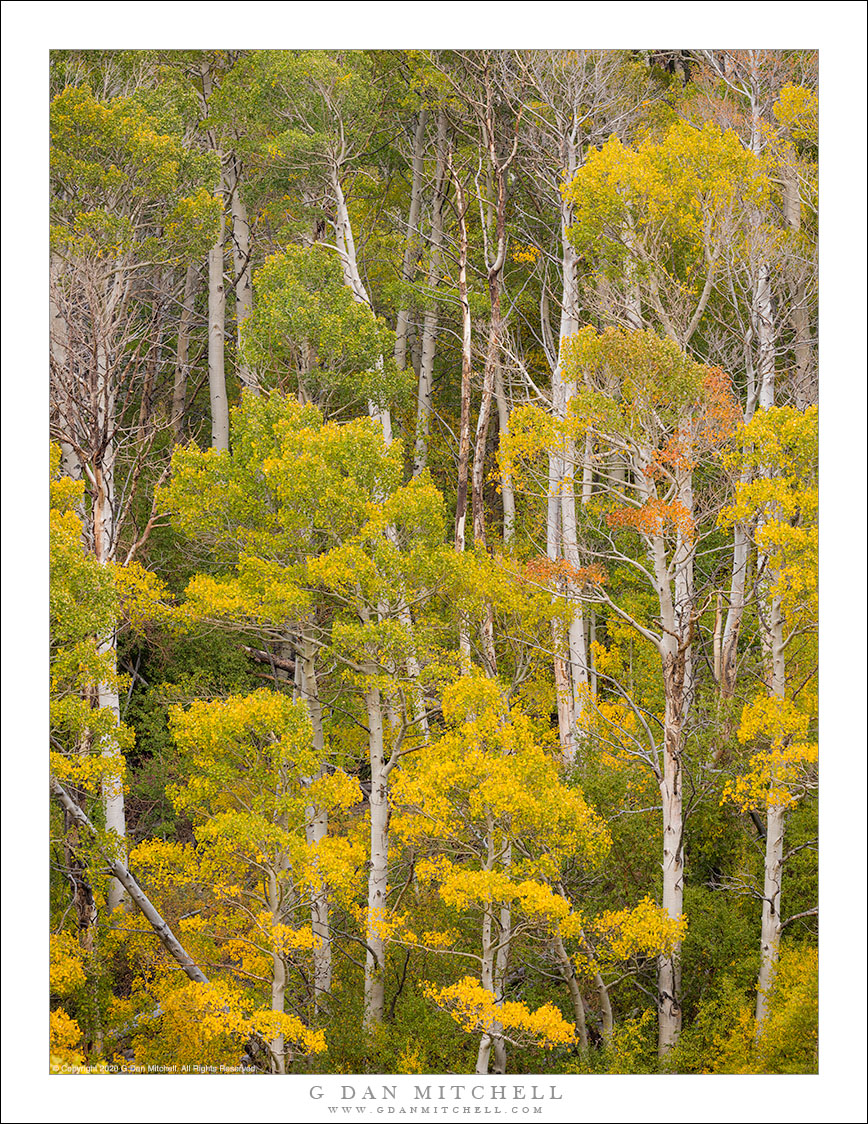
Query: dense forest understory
434, 524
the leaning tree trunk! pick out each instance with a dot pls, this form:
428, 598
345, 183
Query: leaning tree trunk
120, 871
568, 971
346, 245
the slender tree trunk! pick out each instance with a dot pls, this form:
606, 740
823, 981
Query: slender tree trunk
507, 489
772, 621
501, 966
316, 829
804, 380
430, 319
278, 973
58, 335
82, 894
466, 374
182, 361
669, 966
216, 343
346, 244
770, 934
492, 353
241, 258
570, 661
464, 428
411, 248
568, 971
487, 967
216, 288
735, 613
375, 962
104, 542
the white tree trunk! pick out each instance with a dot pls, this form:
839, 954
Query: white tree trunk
804, 376
487, 966
241, 258
429, 321
316, 829
483, 1054
104, 543
411, 248
182, 361
734, 614
507, 489
501, 965
375, 961
346, 244
216, 344
770, 933
278, 973
570, 673
669, 967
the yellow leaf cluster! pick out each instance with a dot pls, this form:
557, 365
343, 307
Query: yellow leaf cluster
66, 964
643, 931
65, 1041
476, 1010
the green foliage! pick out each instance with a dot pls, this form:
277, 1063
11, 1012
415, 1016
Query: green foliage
306, 320
311, 558
120, 187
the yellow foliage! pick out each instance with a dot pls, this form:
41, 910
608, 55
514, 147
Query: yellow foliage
296, 1036
645, 930
476, 1011
776, 778
65, 1041
779, 775
66, 964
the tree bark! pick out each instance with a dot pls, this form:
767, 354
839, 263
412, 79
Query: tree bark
167, 938
430, 319
316, 829
669, 967
216, 344
182, 360
411, 247
241, 258
568, 971
507, 489
278, 973
375, 961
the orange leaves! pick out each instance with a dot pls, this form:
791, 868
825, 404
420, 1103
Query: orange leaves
654, 517
548, 572
721, 414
